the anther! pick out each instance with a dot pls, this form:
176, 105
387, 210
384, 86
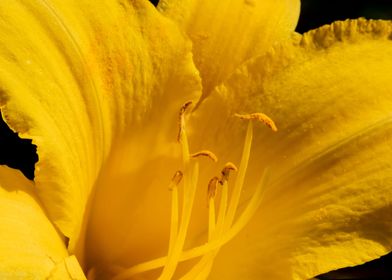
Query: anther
185, 107
226, 172
177, 177
259, 117
181, 124
212, 187
205, 153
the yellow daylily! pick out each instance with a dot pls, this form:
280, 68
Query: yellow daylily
151, 166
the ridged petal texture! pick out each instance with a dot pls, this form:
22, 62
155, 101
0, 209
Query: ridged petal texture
98, 87
227, 33
328, 201
76, 76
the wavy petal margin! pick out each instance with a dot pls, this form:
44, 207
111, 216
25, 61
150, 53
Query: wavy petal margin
75, 77
329, 201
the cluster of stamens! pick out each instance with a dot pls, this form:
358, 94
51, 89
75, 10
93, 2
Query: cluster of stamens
223, 220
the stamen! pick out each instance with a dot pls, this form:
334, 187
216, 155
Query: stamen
259, 117
189, 195
190, 184
242, 221
211, 206
182, 137
185, 107
211, 218
177, 236
212, 187
226, 172
223, 225
207, 267
222, 206
181, 120
239, 182
177, 177
253, 204
174, 208
201, 250
185, 149
205, 153
198, 270
202, 269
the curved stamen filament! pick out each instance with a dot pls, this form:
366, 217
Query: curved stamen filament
222, 225
174, 209
203, 267
185, 148
223, 205
201, 250
212, 185
239, 182
177, 238
190, 183
211, 218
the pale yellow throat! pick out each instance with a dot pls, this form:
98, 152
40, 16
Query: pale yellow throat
223, 220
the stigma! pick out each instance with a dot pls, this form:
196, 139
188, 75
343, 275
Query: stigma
223, 195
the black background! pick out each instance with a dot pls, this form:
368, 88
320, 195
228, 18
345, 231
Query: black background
21, 154
315, 13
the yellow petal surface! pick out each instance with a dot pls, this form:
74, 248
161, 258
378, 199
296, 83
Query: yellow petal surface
69, 268
226, 33
30, 247
328, 201
76, 76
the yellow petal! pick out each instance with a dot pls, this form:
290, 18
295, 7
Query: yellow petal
30, 247
69, 268
328, 201
226, 33
76, 76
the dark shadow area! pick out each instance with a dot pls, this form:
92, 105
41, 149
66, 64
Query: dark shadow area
379, 269
16, 152
21, 153
315, 13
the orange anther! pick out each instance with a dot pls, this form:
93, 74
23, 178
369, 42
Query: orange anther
259, 117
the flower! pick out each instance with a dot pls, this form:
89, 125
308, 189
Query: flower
154, 160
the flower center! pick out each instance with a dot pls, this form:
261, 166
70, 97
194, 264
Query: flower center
224, 223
